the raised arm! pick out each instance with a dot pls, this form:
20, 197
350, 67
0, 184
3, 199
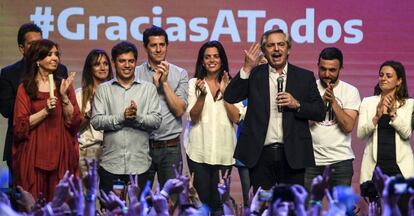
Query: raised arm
176, 98
196, 96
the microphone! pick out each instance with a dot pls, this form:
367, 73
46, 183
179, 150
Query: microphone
330, 112
329, 107
279, 89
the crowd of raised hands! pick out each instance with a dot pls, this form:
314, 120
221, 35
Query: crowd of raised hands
75, 196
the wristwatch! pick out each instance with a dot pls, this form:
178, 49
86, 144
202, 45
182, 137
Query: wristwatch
298, 107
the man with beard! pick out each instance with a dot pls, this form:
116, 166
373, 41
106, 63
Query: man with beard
332, 136
275, 143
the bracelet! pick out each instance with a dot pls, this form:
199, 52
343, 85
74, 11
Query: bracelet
66, 102
90, 197
164, 194
315, 203
298, 108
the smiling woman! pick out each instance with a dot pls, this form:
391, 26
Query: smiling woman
385, 121
45, 127
210, 136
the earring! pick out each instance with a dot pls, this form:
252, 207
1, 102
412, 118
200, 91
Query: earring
37, 64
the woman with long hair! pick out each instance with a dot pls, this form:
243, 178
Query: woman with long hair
96, 70
385, 121
210, 136
45, 123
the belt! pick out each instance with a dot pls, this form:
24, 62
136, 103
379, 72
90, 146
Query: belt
275, 145
164, 143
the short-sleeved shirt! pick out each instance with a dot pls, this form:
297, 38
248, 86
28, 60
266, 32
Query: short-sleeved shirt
330, 143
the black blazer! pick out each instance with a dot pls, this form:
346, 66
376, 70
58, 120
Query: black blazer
10, 78
297, 139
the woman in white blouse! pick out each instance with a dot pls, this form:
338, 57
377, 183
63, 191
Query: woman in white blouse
385, 122
210, 136
96, 70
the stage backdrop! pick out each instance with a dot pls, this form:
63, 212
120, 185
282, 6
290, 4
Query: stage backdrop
368, 32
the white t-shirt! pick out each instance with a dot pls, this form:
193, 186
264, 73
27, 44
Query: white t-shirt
212, 140
330, 143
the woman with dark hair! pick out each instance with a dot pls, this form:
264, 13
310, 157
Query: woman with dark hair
45, 123
385, 121
210, 136
96, 70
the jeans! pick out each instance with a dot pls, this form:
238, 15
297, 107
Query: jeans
341, 174
162, 163
108, 179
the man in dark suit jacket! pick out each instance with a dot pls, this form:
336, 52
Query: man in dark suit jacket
10, 78
275, 143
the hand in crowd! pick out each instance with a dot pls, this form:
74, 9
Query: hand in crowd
26, 199
251, 57
111, 201
90, 179
389, 199
379, 179
256, 204
335, 208
4, 199
143, 206
131, 111
159, 202
223, 186
64, 86
133, 189
319, 184
62, 191
77, 200
192, 193
300, 195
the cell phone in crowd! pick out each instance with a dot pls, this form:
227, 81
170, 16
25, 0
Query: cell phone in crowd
265, 195
399, 186
118, 188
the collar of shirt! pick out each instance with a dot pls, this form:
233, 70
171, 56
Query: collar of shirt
115, 80
284, 71
148, 66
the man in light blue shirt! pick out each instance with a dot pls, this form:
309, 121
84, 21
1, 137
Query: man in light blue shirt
172, 87
127, 110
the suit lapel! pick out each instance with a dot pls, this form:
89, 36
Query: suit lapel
291, 77
266, 91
